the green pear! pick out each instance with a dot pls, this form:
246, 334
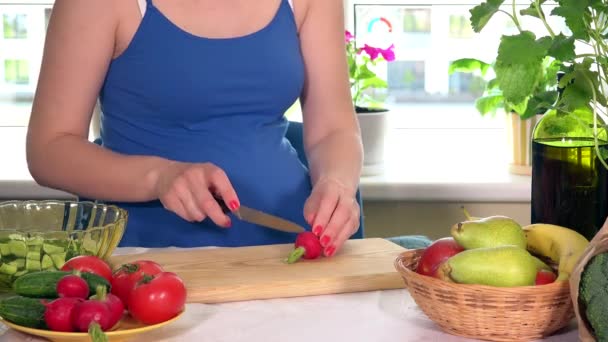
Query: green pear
541, 265
503, 266
490, 231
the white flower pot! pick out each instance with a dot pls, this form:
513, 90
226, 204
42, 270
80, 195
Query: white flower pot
374, 126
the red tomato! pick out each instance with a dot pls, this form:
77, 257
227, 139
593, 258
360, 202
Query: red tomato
89, 263
157, 298
127, 275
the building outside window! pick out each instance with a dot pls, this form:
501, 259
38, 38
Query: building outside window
14, 25
16, 71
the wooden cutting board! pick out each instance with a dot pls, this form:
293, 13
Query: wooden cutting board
245, 273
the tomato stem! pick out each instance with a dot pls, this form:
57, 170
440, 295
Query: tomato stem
146, 278
96, 333
295, 255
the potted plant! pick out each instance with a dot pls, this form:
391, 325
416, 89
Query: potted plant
371, 111
519, 121
521, 57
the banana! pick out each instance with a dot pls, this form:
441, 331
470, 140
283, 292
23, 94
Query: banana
561, 245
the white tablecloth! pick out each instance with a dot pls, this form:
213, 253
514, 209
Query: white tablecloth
382, 316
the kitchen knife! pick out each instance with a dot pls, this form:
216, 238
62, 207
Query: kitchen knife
261, 218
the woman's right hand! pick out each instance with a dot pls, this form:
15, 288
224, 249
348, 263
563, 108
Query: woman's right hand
187, 189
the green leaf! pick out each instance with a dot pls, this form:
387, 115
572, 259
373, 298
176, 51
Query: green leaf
580, 87
518, 81
531, 11
562, 48
482, 13
522, 48
587, 62
550, 67
519, 65
567, 78
489, 104
519, 107
492, 84
598, 5
373, 82
575, 12
365, 73
539, 104
469, 65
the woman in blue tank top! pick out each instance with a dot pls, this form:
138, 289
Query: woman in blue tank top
193, 95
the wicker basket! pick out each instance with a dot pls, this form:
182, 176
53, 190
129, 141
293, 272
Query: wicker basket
487, 312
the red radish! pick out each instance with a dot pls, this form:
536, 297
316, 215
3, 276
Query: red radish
89, 312
58, 315
114, 304
116, 307
307, 246
73, 285
95, 310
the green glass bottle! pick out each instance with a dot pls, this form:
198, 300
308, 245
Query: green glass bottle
569, 182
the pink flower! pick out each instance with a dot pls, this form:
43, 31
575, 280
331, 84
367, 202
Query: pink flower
371, 51
388, 54
348, 36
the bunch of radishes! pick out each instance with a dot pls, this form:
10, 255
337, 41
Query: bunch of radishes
73, 311
142, 289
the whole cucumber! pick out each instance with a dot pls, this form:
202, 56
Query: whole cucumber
24, 311
43, 284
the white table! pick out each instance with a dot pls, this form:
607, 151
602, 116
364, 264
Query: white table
375, 316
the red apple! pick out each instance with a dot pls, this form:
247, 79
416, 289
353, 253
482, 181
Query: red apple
435, 254
545, 277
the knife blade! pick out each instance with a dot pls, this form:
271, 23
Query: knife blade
261, 218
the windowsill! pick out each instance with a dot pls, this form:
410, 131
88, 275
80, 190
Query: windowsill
446, 152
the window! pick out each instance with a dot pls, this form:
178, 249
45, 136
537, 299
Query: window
14, 25
428, 35
460, 27
416, 20
21, 43
16, 71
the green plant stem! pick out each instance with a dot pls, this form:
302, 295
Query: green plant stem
600, 49
515, 20
595, 140
543, 19
295, 255
512, 18
96, 333
582, 55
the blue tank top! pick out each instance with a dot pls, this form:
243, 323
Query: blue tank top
194, 99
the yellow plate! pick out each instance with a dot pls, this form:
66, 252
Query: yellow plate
126, 329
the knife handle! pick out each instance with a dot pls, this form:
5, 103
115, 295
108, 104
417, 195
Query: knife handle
222, 204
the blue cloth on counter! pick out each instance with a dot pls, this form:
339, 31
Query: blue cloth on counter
411, 241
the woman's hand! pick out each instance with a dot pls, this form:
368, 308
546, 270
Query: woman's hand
187, 189
333, 212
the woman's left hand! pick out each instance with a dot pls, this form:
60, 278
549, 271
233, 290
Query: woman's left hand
333, 213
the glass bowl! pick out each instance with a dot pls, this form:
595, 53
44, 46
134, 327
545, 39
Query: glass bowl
43, 235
